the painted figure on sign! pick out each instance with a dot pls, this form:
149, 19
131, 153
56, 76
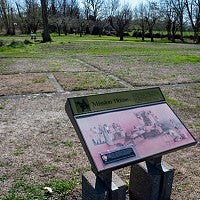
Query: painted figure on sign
107, 135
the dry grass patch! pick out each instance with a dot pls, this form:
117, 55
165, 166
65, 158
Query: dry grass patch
86, 81
38, 147
24, 84
144, 70
45, 64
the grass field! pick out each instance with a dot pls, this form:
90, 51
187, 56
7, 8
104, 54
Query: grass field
38, 145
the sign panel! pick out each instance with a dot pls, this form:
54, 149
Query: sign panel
125, 136
115, 134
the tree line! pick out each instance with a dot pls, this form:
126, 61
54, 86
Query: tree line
101, 17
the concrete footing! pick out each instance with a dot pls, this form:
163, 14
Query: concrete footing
94, 188
151, 182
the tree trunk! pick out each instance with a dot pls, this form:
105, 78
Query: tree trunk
181, 29
5, 16
121, 36
168, 28
21, 23
46, 36
12, 22
196, 37
151, 35
195, 25
65, 28
143, 32
173, 31
59, 29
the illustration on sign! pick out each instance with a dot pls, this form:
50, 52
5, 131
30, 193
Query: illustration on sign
124, 136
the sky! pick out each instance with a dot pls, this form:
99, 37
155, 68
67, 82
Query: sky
132, 3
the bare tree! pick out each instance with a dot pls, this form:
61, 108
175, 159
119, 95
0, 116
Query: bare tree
120, 20
53, 17
46, 36
193, 8
93, 9
178, 7
170, 18
111, 8
64, 16
140, 14
6, 13
94, 13
73, 9
86, 8
29, 16
72, 16
152, 16
21, 17
166, 13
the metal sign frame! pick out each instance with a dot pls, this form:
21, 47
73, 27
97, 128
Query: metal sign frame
122, 128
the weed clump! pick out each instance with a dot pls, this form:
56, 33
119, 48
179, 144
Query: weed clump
1, 107
2, 43
15, 44
27, 42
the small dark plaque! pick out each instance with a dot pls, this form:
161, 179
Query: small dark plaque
120, 154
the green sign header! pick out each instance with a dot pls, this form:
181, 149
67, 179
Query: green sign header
101, 102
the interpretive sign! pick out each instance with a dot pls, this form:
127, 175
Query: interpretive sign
121, 128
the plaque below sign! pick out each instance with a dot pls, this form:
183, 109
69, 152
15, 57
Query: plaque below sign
117, 155
117, 137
